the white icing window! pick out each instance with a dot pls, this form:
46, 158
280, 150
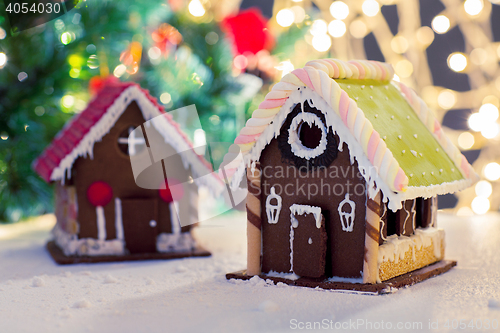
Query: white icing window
131, 141
273, 207
347, 213
307, 135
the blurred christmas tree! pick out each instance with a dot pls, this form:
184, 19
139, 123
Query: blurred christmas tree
181, 57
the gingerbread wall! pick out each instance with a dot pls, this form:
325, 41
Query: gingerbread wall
111, 165
345, 249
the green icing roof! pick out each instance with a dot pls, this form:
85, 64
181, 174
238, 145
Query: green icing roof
396, 122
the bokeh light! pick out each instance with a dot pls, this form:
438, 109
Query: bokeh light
492, 171
196, 8
480, 205
321, 43
370, 7
466, 140
441, 24
457, 61
336, 28
285, 17
339, 10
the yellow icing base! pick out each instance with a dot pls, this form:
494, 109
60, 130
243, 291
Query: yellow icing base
413, 252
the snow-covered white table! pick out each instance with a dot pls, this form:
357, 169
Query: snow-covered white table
192, 295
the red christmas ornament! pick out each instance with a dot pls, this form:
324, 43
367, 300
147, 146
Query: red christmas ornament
249, 31
99, 193
171, 191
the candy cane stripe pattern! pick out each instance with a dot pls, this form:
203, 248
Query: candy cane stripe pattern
372, 232
253, 219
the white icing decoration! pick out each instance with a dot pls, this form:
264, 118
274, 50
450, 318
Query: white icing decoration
409, 213
72, 245
294, 224
415, 136
293, 138
174, 217
434, 208
414, 215
395, 247
413, 152
369, 173
183, 241
310, 241
101, 223
273, 211
288, 276
118, 219
347, 218
400, 137
382, 221
149, 111
252, 168
296, 209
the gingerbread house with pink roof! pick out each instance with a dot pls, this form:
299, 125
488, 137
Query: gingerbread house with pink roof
102, 212
343, 166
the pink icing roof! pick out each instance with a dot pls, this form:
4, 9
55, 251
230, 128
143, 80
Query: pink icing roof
71, 135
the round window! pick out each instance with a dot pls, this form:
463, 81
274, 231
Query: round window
307, 135
305, 140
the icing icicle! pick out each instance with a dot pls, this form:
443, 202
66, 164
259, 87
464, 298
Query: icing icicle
101, 223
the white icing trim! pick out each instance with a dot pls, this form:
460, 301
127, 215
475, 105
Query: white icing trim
368, 171
414, 215
381, 219
101, 223
293, 138
434, 209
294, 224
71, 245
288, 276
174, 217
162, 125
347, 219
183, 241
395, 248
273, 212
296, 209
118, 219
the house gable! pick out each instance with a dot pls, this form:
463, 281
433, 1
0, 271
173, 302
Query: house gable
78, 137
112, 165
344, 115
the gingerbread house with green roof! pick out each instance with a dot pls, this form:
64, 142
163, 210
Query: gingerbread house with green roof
343, 166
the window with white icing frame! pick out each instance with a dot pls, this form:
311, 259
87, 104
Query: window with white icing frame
307, 135
131, 141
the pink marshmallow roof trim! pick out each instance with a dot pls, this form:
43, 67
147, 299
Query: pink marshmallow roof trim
318, 75
49, 164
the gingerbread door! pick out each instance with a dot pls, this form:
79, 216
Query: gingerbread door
140, 224
308, 241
